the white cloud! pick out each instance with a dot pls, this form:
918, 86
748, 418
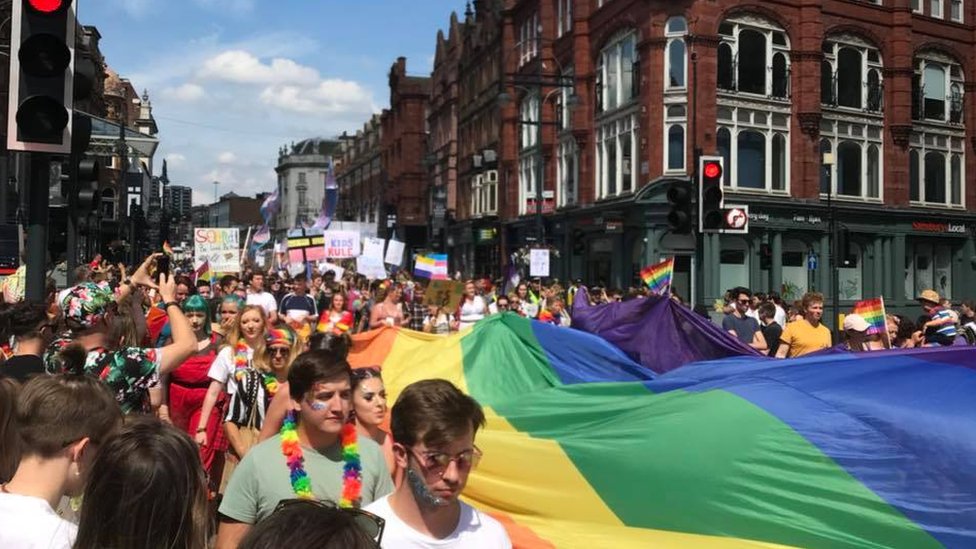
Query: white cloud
332, 96
235, 7
137, 9
186, 93
227, 157
243, 67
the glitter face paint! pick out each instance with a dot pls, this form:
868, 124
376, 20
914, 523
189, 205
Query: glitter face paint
421, 492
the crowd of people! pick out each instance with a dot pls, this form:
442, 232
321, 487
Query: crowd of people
197, 414
193, 415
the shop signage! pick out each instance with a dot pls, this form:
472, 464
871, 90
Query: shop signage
935, 227
759, 217
614, 227
811, 219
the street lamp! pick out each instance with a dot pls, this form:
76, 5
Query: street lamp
835, 253
534, 88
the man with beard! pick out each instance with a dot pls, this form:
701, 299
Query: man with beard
434, 426
306, 460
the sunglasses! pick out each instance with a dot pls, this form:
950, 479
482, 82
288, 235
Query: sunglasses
278, 351
744, 301
437, 462
371, 525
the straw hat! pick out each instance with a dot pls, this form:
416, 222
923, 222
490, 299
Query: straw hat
931, 296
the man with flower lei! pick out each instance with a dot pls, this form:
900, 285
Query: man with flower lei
317, 454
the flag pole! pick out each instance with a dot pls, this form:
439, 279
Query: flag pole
246, 241
884, 314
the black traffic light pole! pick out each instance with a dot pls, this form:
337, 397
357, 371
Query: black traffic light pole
72, 237
37, 219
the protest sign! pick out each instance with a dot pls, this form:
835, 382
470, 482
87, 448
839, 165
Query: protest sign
341, 244
371, 267
394, 252
447, 293
539, 263
325, 267
220, 247
373, 247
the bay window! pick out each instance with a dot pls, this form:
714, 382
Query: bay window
753, 57
616, 156
617, 78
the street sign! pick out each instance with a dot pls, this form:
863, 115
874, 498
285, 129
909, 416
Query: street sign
812, 261
735, 219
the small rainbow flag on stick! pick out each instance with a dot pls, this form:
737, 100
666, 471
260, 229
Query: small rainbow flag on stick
873, 311
658, 276
167, 249
203, 272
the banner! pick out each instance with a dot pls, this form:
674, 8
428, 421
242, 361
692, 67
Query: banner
539, 263
446, 293
219, 247
305, 245
341, 244
433, 266
373, 247
394, 252
371, 267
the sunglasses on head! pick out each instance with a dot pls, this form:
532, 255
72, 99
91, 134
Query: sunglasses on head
371, 525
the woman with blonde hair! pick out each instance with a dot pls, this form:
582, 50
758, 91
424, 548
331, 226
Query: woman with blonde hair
248, 386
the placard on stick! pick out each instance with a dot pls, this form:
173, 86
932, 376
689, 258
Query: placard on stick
448, 293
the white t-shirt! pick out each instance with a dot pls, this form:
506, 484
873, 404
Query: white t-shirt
475, 530
27, 522
779, 317
264, 299
222, 368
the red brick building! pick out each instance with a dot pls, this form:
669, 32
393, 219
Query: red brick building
883, 88
442, 122
359, 173
403, 141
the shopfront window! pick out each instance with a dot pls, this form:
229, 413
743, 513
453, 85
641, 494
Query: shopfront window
795, 274
734, 264
849, 274
928, 266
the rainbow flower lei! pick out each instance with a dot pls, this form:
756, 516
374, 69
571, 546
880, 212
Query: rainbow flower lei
240, 359
352, 476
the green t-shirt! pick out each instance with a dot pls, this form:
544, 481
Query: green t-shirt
262, 479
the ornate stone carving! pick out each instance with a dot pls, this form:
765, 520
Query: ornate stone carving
901, 134
810, 123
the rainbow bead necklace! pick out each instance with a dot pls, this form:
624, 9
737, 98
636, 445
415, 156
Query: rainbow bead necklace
352, 470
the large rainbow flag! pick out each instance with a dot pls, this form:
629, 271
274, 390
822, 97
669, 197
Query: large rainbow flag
585, 448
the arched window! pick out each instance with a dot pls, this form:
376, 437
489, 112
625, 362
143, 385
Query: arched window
677, 25
849, 169
913, 173
723, 144
726, 67
825, 169
752, 62
781, 76
849, 82
935, 177
676, 63
676, 148
827, 83
874, 171
779, 162
934, 91
752, 160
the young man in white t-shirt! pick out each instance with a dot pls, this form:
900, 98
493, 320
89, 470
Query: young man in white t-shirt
257, 296
434, 425
60, 421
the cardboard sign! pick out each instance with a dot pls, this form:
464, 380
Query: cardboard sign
539, 263
370, 267
373, 247
394, 252
448, 293
341, 244
325, 267
221, 247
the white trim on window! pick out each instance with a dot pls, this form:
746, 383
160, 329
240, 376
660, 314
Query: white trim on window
617, 155
868, 137
737, 124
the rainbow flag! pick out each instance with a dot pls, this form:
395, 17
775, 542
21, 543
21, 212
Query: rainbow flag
432, 266
585, 448
658, 276
167, 249
203, 272
873, 311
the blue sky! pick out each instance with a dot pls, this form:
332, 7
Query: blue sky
233, 80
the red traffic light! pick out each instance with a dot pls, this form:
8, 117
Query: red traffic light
712, 170
47, 6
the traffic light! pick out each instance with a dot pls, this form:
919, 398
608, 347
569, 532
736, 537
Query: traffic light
579, 244
679, 207
41, 76
88, 198
711, 171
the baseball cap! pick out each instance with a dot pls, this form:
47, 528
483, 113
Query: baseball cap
856, 323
